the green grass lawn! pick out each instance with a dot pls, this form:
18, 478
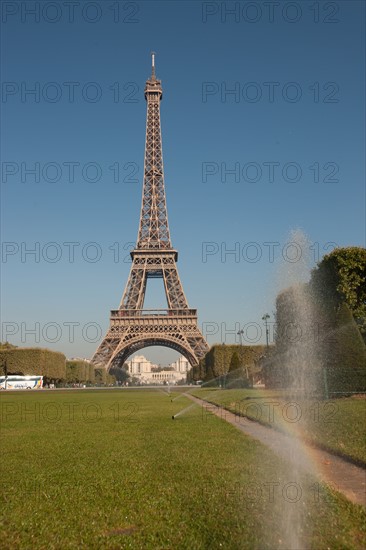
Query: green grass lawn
336, 424
111, 469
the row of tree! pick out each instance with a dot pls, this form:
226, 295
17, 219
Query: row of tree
83, 372
229, 366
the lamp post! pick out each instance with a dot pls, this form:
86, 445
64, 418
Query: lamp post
265, 319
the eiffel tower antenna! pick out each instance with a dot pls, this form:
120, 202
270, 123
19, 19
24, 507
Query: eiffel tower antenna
131, 326
153, 64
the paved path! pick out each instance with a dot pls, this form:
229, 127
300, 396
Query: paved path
345, 477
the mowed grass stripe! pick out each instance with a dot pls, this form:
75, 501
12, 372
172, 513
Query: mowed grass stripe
111, 469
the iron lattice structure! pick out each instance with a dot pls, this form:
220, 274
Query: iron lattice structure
131, 327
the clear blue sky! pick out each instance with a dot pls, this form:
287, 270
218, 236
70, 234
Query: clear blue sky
304, 65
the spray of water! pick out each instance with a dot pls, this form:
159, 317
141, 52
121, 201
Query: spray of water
184, 411
298, 357
163, 391
179, 396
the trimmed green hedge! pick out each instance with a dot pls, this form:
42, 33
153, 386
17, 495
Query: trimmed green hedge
28, 361
217, 361
52, 365
344, 355
323, 353
79, 371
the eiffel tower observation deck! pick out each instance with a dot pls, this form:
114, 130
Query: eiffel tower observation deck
131, 326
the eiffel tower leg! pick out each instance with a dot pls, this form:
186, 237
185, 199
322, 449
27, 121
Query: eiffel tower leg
133, 296
105, 351
173, 289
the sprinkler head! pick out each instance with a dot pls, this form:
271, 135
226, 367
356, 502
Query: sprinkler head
173, 417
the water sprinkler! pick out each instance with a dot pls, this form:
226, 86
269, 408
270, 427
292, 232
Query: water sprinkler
173, 417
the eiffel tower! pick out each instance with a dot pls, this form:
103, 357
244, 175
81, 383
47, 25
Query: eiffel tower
131, 327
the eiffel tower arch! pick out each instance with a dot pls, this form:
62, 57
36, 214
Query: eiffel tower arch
132, 327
